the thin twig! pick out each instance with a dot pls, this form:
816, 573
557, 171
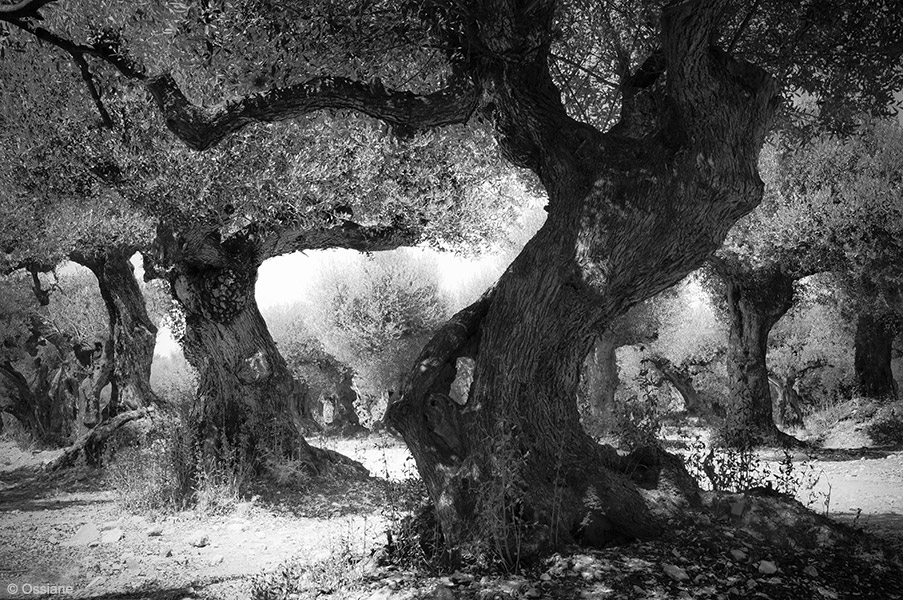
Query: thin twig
92, 88
589, 72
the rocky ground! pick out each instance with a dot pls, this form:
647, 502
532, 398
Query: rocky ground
67, 533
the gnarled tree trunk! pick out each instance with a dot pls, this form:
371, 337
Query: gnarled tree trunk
631, 212
875, 333
247, 403
756, 299
133, 334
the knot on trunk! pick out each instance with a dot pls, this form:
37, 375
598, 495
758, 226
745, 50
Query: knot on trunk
225, 293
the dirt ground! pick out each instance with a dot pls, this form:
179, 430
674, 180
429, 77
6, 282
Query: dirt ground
68, 534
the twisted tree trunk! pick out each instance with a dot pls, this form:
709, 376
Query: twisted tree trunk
756, 299
786, 401
631, 212
133, 334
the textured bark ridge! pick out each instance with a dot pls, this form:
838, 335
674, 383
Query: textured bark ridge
631, 212
875, 333
756, 300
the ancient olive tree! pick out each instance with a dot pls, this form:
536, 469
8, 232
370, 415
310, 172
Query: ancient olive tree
632, 210
858, 179
54, 211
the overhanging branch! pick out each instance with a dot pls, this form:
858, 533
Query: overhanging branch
349, 235
203, 127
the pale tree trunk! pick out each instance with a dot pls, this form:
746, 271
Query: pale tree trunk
129, 357
599, 381
756, 300
875, 333
682, 381
786, 401
631, 212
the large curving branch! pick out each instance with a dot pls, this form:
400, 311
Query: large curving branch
202, 127
26, 9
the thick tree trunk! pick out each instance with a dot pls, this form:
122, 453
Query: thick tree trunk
248, 404
875, 333
599, 381
756, 300
132, 332
631, 212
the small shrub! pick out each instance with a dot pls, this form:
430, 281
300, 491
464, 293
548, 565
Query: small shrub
886, 428
728, 469
150, 477
15, 432
343, 570
638, 420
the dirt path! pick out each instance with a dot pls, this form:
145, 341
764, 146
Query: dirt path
68, 531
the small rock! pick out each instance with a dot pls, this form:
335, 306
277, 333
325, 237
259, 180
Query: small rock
132, 563
459, 578
154, 530
198, 539
111, 536
675, 572
217, 559
766, 567
738, 555
545, 576
442, 592
810, 571
109, 525
532, 592
86, 534
167, 553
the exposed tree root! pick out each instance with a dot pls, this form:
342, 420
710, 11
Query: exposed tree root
321, 462
91, 442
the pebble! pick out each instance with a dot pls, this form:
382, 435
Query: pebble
766, 567
111, 536
198, 539
675, 572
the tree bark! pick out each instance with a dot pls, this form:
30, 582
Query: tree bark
598, 384
756, 299
631, 212
132, 332
875, 333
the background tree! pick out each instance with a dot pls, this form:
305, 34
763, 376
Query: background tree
858, 178
810, 358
